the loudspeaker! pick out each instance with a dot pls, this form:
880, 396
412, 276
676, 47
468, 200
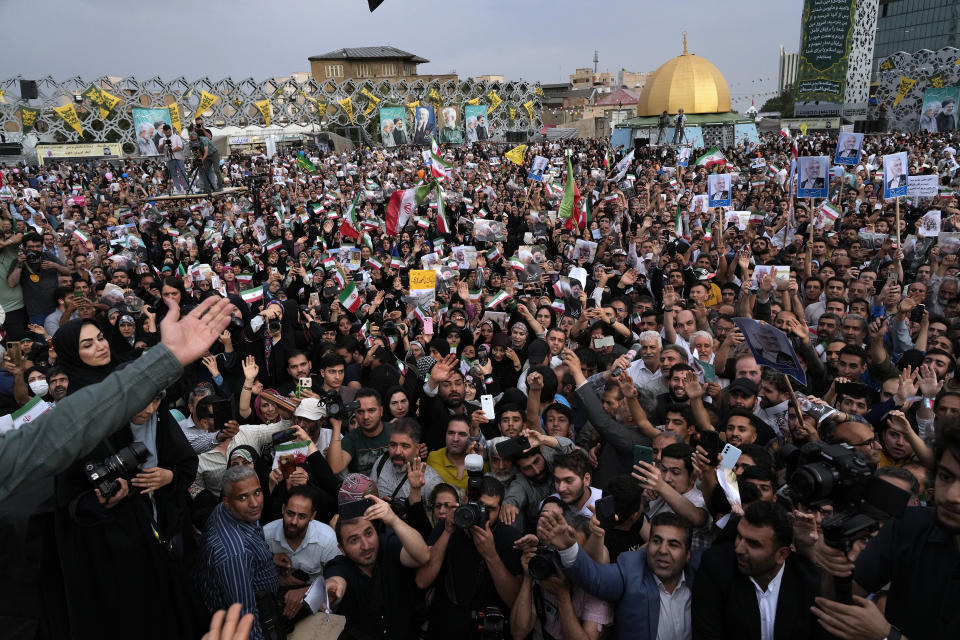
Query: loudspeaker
28, 89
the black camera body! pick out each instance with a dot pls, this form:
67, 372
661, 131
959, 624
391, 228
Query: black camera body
33, 259
822, 472
336, 408
104, 475
400, 506
543, 564
474, 512
490, 622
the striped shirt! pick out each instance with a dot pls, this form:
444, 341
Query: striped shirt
234, 565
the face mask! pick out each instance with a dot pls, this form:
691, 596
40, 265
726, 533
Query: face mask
39, 387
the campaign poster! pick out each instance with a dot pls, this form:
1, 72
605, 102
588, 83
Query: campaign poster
683, 157
719, 190
475, 118
812, 180
848, 148
939, 110
826, 39
450, 132
148, 123
895, 175
423, 125
537, 168
771, 348
393, 127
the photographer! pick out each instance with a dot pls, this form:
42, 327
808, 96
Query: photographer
38, 274
548, 604
359, 449
476, 570
205, 156
171, 145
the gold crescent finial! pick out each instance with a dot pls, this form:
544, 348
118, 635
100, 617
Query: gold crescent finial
684, 43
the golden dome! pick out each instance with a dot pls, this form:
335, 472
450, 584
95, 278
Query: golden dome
686, 82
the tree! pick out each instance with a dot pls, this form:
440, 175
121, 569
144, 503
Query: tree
782, 103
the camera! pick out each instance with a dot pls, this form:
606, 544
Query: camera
33, 259
490, 623
474, 512
827, 472
123, 463
400, 506
544, 563
483, 355
273, 325
389, 328
334, 407
287, 435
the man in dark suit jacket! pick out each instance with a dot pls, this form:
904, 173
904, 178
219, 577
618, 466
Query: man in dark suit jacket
756, 589
812, 183
421, 131
723, 194
896, 182
399, 135
481, 128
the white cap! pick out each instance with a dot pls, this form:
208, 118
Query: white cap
311, 409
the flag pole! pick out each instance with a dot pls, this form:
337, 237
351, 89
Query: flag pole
898, 220
794, 403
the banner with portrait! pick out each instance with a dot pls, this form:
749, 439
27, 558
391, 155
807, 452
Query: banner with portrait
147, 124
895, 175
848, 148
421, 125
719, 188
475, 119
812, 181
939, 110
450, 132
393, 127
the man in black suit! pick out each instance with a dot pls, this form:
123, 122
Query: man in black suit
421, 132
812, 176
722, 194
898, 178
947, 118
848, 148
481, 128
399, 135
755, 588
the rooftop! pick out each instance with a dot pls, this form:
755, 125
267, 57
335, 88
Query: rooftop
382, 51
620, 96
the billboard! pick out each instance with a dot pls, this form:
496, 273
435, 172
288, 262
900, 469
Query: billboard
97, 150
827, 36
475, 117
939, 110
146, 124
393, 131
423, 125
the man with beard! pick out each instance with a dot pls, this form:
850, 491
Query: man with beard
535, 480
774, 401
360, 448
448, 462
445, 390
402, 454
915, 554
670, 355
675, 394
300, 544
571, 478
501, 468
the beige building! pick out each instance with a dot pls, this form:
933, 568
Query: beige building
489, 78
369, 63
586, 78
633, 80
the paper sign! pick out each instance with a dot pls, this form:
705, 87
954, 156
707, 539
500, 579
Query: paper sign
926, 186
423, 279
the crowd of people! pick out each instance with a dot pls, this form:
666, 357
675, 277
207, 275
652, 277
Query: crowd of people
567, 436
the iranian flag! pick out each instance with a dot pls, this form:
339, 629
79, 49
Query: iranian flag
81, 236
494, 254
499, 299
516, 264
439, 168
397, 263
678, 223
554, 190
581, 217
402, 205
244, 279
558, 306
252, 295
273, 246
829, 211
376, 264
350, 298
443, 226
571, 194
713, 157
29, 412
349, 226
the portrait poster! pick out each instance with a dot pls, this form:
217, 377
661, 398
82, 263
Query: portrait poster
475, 119
771, 348
147, 124
537, 168
938, 113
719, 188
812, 181
848, 148
422, 125
683, 157
895, 175
393, 127
450, 132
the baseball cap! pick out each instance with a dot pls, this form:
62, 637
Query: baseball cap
355, 486
310, 409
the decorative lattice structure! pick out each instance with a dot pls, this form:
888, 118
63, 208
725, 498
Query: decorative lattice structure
293, 102
926, 69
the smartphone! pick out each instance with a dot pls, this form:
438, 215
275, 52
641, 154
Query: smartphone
513, 447
355, 509
606, 509
286, 464
222, 411
642, 453
314, 299
428, 326
729, 456
600, 343
77, 294
486, 403
917, 314
16, 356
304, 384
286, 435
710, 441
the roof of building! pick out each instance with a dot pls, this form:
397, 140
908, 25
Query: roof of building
382, 51
620, 96
686, 82
729, 117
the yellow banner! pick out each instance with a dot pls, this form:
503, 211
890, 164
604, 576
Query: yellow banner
3, 99
494, 101
516, 154
95, 150
886, 65
174, 116
107, 103
264, 108
413, 105
513, 112
905, 85
539, 91
369, 96
937, 81
528, 105
28, 116
433, 96
420, 279
206, 101
475, 101
347, 105
69, 114
803, 128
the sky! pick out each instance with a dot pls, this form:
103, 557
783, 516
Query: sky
534, 41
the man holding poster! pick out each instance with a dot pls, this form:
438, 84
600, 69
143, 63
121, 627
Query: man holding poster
719, 190
895, 175
813, 177
771, 348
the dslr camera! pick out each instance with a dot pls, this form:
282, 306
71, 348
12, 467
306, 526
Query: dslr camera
544, 563
122, 464
334, 407
33, 259
474, 512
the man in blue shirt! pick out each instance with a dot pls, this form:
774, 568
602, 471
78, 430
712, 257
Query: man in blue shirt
235, 564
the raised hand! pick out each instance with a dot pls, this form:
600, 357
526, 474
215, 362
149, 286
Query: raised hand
250, 368
190, 336
443, 368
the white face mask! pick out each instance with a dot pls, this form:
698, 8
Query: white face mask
39, 387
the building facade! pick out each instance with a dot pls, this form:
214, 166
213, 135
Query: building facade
912, 25
633, 80
586, 78
787, 75
369, 63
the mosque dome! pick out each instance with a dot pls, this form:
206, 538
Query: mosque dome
686, 82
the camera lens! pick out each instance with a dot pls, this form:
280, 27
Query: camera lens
812, 482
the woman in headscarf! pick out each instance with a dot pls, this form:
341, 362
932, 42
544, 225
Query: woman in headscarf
84, 353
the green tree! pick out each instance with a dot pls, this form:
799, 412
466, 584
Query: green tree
782, 103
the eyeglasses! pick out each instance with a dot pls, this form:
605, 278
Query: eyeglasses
866, 443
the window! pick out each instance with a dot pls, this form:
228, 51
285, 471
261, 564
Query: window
334, 70
388, 70
363, 71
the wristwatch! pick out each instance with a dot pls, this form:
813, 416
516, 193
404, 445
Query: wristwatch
893, 634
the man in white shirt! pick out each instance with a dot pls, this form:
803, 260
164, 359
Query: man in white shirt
300, 545
171, 146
